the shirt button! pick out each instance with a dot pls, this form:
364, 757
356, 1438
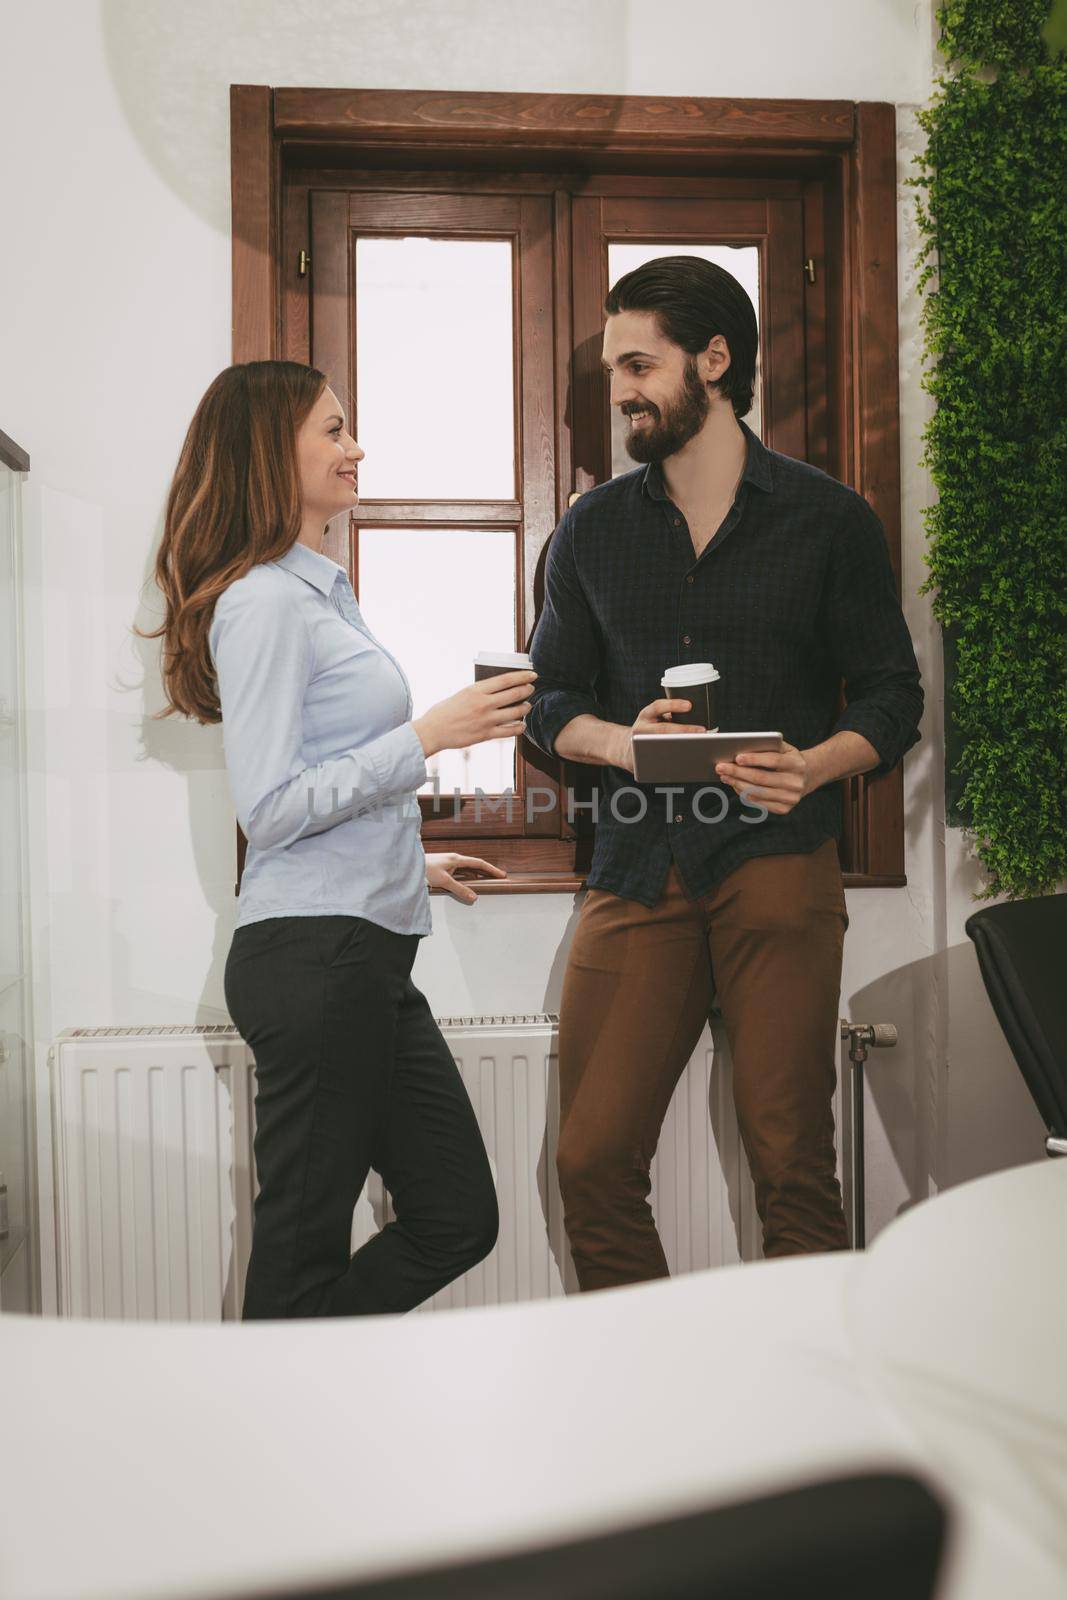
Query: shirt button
677, 522
686, 639
690, 579
678, 818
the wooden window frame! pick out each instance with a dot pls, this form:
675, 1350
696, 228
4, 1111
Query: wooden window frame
843, 155
13, 455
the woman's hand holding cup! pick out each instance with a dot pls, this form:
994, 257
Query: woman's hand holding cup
495, 708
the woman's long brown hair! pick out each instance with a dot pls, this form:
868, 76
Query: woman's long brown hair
234, 502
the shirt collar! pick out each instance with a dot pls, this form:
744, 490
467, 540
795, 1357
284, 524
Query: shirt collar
757, 468
311, 565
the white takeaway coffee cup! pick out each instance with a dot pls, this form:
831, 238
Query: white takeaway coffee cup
694, 682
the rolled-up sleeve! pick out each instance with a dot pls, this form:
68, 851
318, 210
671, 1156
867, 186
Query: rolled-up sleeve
264, 660
869, 640
565, 649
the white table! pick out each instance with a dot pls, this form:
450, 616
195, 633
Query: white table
148, 1460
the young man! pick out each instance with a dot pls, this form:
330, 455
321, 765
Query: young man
717, 550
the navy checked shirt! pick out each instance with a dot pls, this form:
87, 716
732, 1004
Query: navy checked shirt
794, 594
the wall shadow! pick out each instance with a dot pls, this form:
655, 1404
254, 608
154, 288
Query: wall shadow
949, 1111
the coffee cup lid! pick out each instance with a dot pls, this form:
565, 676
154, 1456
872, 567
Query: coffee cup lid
508, 660
696, 672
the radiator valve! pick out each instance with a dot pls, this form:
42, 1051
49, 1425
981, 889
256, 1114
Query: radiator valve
864, 1036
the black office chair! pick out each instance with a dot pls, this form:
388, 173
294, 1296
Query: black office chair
1022, 953
879, 1536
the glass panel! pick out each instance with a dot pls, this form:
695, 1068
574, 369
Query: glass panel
16, 1160
741, 261
435, 369
12, 777
435, 597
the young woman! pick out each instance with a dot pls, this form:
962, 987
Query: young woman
262, 631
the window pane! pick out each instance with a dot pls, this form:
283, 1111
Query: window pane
435, 597
741, 261
434, 369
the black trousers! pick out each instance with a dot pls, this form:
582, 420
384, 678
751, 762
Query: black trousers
352, 1072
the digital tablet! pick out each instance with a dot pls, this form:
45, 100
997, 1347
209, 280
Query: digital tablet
691, 757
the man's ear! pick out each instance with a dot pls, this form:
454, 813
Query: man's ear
714, 361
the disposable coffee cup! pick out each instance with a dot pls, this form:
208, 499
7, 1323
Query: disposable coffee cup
491, 663
695, 683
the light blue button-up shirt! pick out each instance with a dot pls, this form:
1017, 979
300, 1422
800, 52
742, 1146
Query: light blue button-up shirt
315, 712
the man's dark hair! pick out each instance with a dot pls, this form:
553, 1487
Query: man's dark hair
693, 300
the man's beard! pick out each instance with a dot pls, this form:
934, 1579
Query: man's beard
673, 427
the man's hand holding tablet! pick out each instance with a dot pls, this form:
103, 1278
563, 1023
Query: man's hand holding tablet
775, 779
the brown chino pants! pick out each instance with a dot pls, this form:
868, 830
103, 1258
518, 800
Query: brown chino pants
638, 987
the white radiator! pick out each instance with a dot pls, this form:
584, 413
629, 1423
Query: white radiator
154, 1171
155, 1174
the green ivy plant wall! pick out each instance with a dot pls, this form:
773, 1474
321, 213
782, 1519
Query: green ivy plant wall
992, 208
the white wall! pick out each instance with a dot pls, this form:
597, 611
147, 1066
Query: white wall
116, 292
